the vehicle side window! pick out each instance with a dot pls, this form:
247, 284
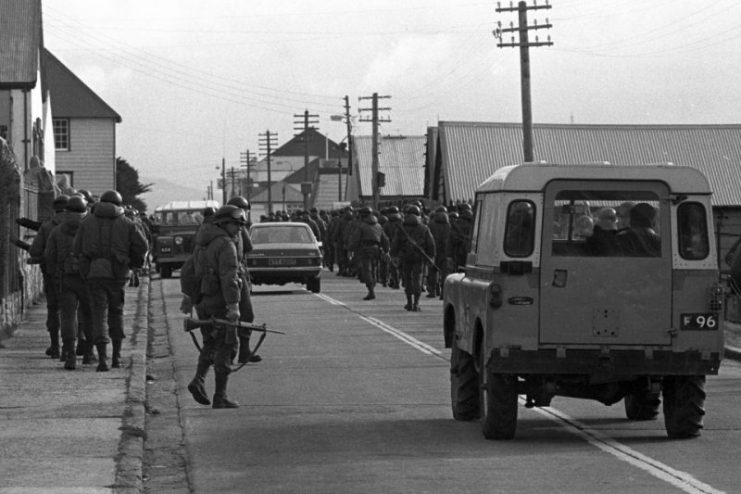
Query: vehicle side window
519, 236
693, 231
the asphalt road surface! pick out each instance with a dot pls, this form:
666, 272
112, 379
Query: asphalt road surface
355, 398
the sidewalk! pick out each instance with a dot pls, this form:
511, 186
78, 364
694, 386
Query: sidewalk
72, 431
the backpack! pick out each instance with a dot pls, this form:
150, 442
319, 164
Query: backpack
71, 264
190, 278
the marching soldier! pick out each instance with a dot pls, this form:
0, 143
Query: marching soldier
108, 246
216, 256
439, 226
74, 296
51, 292
369, 243
460, 236
414, 245
393, 223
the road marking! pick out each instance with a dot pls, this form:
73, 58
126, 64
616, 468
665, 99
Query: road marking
410, 340
677, 478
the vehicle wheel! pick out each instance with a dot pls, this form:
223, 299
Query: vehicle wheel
165, 271
498, 393
684, 401
464, 385
642, 405
314, 285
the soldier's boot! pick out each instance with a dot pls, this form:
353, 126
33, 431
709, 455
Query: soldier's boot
197, 386
244, 351
53, 350
81, 346
371, 294
88, 356
220, 399
68, 350
102, 364
116, 355
408, 306
415, 305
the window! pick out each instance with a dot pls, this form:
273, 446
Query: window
519, 237
693, 231
61, 134
606, 223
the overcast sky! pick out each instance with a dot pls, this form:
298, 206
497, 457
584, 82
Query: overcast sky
196, 81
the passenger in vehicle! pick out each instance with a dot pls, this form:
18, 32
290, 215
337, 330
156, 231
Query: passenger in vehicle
623, 215
603, 241
640, 240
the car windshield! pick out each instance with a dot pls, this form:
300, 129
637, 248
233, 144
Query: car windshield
281, 235
172, 218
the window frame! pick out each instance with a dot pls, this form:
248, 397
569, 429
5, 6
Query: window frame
61, 134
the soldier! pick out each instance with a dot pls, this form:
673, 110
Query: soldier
108, 245
460, 237
369, 243
439, 226
343, 257
393, 223
330, 254
216, 256
74, 296
413, 243
247, 314
51, 292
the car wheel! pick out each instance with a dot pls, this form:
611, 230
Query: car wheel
498, 398
642, 405
464, 385
314, 285
684, 401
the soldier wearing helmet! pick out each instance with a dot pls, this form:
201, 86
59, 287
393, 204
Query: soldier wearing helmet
459, 243
440, 228
74, 295
369, 244
393, 223
246, 311
108, 246
414, 245
51, 292
217, 256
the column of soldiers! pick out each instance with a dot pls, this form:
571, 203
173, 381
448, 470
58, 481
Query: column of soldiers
88, 252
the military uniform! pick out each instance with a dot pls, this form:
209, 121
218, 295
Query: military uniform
460, 237
369, 243
413, 244
74, 295
51, 290
108, 246
389, 228
439, 226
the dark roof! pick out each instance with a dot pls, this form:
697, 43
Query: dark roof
20, 40
400, 158
298, 176
470, 152
70, 97
318, 144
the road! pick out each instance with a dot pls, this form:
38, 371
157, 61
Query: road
355, 398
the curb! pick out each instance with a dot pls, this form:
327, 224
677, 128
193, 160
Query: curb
130, 459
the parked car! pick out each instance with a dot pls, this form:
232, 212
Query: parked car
175, 226
285, 252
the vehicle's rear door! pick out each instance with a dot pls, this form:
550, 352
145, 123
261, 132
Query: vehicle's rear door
596, 295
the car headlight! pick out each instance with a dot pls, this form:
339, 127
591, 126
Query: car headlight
178, 240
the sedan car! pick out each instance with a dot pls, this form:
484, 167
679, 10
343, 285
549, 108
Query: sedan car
285, 252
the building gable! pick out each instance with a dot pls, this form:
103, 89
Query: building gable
20, 39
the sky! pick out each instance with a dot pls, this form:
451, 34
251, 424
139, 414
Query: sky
195, 82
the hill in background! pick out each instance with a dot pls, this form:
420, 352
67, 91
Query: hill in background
164, 191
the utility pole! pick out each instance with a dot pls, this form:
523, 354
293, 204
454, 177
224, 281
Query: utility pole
349, 135
375, 120
524, 44
309, 121
223, 181
246, 162
268, 140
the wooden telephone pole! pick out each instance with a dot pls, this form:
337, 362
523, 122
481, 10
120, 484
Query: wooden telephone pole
375, 120
524, 44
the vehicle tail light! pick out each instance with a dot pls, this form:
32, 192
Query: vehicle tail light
715, 298
495, 295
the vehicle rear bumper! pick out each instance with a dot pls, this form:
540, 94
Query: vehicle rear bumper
284, 275
613, 362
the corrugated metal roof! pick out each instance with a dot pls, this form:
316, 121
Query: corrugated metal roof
401, 158
72, 98
472, 151
20, 39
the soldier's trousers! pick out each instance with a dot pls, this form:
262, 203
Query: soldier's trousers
219, 347
74, 300
51, 292
411, 275
107, 302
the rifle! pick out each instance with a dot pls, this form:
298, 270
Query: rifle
29, 223
419, 249
241, 329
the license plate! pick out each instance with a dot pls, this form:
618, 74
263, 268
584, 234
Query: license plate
165, 249
281, 262
699, 322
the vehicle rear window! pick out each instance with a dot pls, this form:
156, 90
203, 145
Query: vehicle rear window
281, 235
693, 231
604, 223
